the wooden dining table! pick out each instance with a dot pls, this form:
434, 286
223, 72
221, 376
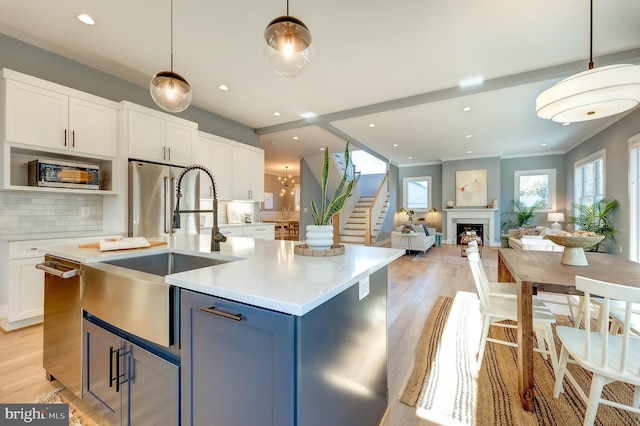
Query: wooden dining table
535, 271
282, 223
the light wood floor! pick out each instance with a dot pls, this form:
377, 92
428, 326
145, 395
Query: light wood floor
413, 288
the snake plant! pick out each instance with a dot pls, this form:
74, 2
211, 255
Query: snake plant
332, 207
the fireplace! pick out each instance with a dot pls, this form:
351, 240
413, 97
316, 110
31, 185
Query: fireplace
474, 229
484, 217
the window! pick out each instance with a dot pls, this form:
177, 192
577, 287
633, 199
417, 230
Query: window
536, 186
417, 193
589, 179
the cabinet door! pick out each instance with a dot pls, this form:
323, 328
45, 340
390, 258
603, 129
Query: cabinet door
26, 289
237, 363
222, 168
102, 370
36, 116
153, 389
201, 154
146, 137
93, 128
248, 174
179, 142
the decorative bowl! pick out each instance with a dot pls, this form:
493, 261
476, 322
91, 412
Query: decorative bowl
574, 248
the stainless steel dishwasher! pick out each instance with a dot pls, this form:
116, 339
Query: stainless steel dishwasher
62, 339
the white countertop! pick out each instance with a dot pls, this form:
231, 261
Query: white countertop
263, 273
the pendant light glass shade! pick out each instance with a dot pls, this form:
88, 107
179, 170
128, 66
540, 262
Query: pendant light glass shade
288, 50
592, 94
170, 91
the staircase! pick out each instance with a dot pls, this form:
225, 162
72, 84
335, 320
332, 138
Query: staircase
354, 230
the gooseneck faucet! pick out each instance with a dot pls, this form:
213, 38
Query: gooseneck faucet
216, 235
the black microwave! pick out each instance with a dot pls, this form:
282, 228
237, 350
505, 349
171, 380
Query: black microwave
63, 174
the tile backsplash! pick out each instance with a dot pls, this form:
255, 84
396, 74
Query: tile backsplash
31, 212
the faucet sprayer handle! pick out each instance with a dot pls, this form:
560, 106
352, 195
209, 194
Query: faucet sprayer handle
176, 213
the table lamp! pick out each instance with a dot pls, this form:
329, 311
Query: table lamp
555, 218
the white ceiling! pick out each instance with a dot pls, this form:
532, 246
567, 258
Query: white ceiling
395, 64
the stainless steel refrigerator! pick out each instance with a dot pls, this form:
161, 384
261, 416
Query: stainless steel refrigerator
152, 199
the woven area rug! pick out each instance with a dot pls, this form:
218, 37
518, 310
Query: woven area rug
53, 397
446, 389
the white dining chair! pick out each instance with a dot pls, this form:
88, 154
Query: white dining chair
610, 357
496, 309
508, 290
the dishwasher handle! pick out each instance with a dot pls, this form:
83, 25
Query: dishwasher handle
57, 269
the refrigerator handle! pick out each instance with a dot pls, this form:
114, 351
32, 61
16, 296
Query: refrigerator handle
165, 208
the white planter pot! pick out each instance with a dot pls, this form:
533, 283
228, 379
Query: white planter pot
320, 237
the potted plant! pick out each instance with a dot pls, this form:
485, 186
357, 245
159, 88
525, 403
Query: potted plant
596, 218
320, 234
520, 215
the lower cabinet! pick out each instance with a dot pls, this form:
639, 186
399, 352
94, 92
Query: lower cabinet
237, 363
126, 383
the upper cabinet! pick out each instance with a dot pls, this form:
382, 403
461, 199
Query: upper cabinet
248, 173
156, 136
44, 120
53, 120
237, 168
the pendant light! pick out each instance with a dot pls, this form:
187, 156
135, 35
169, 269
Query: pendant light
592, 94
169, 90
288, 50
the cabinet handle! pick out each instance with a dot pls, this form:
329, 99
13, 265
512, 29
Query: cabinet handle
164, 153
214, 311
73, 139
111, 378
169, 149
65, 137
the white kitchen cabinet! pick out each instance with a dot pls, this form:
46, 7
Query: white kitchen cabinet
155, 136
248, 173
57, 121
21, 284
265, 231
216, 155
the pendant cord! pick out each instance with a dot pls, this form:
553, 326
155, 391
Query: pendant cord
287, 7
171, 26
591, 37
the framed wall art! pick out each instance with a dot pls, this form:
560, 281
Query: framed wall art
471, 188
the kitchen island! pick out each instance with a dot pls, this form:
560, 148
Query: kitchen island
275, 338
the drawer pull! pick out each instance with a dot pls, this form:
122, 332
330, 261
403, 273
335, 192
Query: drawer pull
214, 311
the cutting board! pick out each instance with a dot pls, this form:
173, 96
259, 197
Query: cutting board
97, 245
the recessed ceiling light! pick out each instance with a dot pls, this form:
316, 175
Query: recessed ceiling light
321, 149
395, 144
410, 158
372, 125
308, 115
471, 82
276, 114
223, 87
469, 136
543, 144
565, 124
466, 109
295, 138
468, 152
85, 19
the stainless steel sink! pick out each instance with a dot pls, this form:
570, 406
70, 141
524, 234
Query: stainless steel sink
166, 263
131, 293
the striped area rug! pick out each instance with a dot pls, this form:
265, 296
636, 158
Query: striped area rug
446, 389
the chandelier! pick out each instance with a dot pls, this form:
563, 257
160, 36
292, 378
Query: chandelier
287, 182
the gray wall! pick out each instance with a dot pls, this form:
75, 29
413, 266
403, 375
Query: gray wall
272, 184
31, 60
615, 140
433, 170
511, 165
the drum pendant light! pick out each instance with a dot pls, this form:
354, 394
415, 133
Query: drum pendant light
169, 90
592, 94
288, 50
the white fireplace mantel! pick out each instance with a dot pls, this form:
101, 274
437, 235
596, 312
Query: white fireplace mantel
484, 217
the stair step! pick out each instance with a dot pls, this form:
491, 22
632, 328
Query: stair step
351, 240
353, 232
